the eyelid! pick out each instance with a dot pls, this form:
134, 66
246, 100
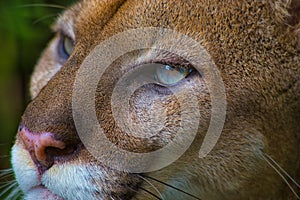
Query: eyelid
64, 26
171, 59
178, 66
62, 34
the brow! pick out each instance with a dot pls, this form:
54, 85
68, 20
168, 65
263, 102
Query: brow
64, 24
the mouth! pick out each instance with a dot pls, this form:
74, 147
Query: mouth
41, 192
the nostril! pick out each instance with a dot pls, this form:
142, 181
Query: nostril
44, 148
60, 153
43, 141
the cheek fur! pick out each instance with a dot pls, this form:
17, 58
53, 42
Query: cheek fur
25, 170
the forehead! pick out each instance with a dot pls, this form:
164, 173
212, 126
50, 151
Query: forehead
225, 28
190, 17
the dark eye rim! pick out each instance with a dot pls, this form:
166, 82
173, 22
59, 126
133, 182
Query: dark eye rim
62, 52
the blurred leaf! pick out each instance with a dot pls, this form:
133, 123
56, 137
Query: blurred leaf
24, 33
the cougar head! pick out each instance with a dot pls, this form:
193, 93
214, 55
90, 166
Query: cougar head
182, 49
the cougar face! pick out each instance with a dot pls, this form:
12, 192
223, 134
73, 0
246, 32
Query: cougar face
255, 48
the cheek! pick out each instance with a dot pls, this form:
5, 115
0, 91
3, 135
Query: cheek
154, 116
151, 116
161, 115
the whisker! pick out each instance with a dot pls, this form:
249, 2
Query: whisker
8, 185
6, 171
166, 184
5, 178
145, 191
152, 194
151, 185
15, 193
6, 174
4, 156
279, 173
42, 5
8, 188
45, 17
293, 180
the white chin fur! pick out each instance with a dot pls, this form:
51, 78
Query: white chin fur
69, 182
41, 193
24, 168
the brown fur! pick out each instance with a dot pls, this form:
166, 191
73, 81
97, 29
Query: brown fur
255, 45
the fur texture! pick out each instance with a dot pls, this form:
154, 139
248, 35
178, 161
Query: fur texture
255, 45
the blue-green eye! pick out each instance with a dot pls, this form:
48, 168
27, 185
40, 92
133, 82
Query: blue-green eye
68, 45
65, 47
167, 75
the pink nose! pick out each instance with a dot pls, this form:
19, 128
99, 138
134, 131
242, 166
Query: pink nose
43, 148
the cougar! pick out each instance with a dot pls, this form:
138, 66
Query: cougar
250, 58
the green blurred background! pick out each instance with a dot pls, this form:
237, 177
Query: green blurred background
24, 33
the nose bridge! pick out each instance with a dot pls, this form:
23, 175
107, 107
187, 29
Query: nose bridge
51, 110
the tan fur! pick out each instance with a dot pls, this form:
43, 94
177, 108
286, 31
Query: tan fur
255, 45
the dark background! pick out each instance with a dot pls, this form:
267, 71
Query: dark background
24, 33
